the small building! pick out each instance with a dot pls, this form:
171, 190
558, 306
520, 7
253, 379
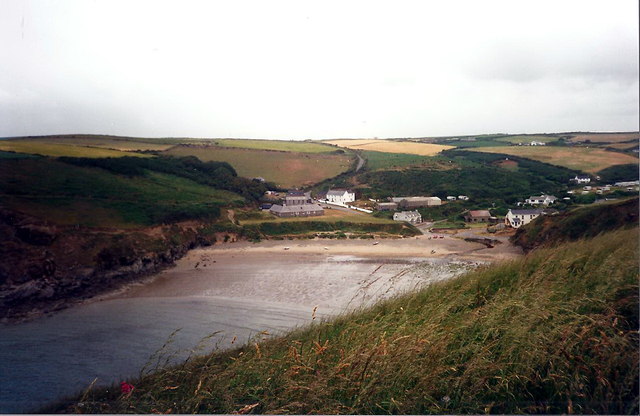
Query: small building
405, 202
298, 210
412, 217
463, 197
386, 206
266, 206
340, 196
516, 218
451, 198
297, 198
580, 179
541, 200
536, 143
478, 216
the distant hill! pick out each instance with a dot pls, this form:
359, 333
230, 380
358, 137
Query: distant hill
582, 222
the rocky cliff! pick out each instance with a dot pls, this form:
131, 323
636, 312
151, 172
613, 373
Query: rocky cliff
46, 267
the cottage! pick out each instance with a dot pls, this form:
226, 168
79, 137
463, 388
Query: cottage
386, 206
581, 179
541, 200
478, 216
516, 218
412, 217
463, 197
416, 201
451, 198
340, 196
297, 204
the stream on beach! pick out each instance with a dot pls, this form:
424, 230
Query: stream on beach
208, 293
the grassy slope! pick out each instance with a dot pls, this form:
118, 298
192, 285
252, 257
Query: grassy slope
555, 332
287, 169
67, 194
384, 160
582, 222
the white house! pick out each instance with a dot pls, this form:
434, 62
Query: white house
463, 197
581, 179
535, 143
516, 218
541, 200
451, 198
340, 196
413, 217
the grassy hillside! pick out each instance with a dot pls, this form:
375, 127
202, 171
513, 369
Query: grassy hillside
585, 159
553, 333
481, 176
582, 222
286, 169
279, 145
46, 148
65, 193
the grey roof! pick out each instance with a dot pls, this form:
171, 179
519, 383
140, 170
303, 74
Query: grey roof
526, 211
296, 208
414, 198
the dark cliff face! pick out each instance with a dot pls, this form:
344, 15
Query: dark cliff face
584, 222
45, 267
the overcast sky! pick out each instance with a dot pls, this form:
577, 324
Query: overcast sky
321, 69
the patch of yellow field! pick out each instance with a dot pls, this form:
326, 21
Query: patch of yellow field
586, 159
390, 146
605, 137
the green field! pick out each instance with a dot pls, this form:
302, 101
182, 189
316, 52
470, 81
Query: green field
280, 145
106, 142
67, 194
331, 215
286, 169
553, 333
38, 147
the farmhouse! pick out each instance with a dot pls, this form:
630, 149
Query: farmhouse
416, 201
535, 143
387, 206
581, 179
340, 196
541, 200
478, 216
412, 217
297, 204
516, 218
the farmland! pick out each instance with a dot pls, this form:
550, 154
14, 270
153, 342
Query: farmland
383, 160
280, 145
107, 142
527, 139
590, 160
604, 137
421, 149
286, 169
45, 148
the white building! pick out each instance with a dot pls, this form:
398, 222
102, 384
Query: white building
463, 197
541, 200
516, 218
535, 143
413, 217
340, 196
581, 179
451, 198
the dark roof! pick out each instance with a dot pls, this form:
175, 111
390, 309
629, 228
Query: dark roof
526, 211
296, 208
337, 191
479, 213
295, 193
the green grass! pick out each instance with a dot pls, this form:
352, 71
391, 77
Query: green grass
68, 194
286, 169
57, 149
280, 145
331, 215
553, 333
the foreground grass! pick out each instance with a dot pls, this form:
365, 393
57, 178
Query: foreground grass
553, 333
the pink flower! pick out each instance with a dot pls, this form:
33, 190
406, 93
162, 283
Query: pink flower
126, 388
